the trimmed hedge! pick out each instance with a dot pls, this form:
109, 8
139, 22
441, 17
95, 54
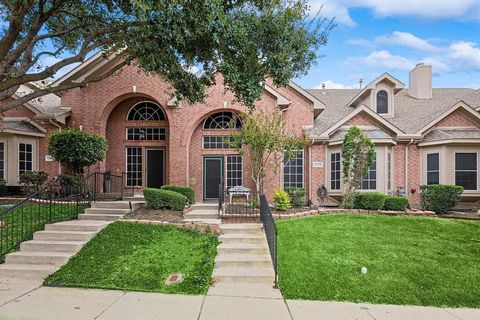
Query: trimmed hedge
188, 192
297, 196
396, 203
161, 199
439, 198
369, 200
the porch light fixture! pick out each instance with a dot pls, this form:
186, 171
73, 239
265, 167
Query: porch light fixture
134, 89
225, 104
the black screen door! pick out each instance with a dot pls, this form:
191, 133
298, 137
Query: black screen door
212, 176
155, 168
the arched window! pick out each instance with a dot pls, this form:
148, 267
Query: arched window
222, 120
146, 111
382, 102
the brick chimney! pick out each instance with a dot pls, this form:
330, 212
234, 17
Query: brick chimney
420, 82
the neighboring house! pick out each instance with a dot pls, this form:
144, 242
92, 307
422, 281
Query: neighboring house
422, 135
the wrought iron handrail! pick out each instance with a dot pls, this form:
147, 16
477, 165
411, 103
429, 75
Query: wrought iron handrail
50, 204
103, 186
270, 232
221, 199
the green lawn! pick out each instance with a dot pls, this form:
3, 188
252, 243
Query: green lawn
410, 260
22, 222
139, 257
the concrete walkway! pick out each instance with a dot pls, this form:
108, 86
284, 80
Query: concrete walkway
28, 300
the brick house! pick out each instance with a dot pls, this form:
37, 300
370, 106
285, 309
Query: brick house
422, 135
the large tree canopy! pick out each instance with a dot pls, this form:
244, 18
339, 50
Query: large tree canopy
246, 41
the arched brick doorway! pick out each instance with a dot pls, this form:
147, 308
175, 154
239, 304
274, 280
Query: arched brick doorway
137, 133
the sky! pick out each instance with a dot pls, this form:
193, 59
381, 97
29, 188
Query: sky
377, 36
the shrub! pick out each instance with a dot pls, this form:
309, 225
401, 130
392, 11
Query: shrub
161, 199
3, 188
77, 149
396, 203
439, 198
281, 199
32, 181
188, 192
369, 200
297, 196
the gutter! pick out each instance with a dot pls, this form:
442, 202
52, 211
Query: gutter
407, 192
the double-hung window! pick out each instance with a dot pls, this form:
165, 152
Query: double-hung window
433, 168
234, 171
369, 181
25, 157
134, 166
293, 171
335, 171
466, 170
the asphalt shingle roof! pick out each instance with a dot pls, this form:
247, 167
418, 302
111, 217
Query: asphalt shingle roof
410, 114
20, 125
448, 134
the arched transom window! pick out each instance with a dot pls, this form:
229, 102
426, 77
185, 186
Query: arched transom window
382, 102
222, 120
146, 111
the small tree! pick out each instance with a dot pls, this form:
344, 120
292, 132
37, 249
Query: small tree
77, 149
264, 139
358, 153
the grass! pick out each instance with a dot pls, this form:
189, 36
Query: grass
139, 257
22, 222
410, 260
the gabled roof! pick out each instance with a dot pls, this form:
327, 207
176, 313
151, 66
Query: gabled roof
361, 109
410, 114
397, 86
23, 126
461, 105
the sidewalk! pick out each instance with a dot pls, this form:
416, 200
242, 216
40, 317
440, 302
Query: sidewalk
22, 300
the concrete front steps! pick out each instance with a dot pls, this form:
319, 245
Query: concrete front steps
243, 256
109, 211
203, 213
49, 249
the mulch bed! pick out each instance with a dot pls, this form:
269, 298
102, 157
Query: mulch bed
156, 215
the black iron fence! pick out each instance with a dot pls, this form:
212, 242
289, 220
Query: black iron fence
51, 204
239, 206
270, 232
102, 186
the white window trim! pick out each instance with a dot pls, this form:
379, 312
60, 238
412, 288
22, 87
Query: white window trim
439, 165
34, 153
226, 167
443, 164
328, 172
455, 151
303, 170
390, 101
126, 168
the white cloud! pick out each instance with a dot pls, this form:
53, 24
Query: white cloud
329, 84
383, 59
429, 9
408, 40
459, 56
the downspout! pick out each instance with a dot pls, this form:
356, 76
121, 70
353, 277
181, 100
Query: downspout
407, 192
310, 163
60, 130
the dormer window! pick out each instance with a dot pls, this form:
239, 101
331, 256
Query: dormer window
382, 102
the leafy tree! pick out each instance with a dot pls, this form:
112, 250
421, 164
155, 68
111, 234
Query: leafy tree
358, 153
77, 149
267, 144
245, 40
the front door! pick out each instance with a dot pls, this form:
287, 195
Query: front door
212, 176
155, 168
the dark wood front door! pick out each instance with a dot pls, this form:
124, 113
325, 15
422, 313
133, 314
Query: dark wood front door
155, 168
212, 176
